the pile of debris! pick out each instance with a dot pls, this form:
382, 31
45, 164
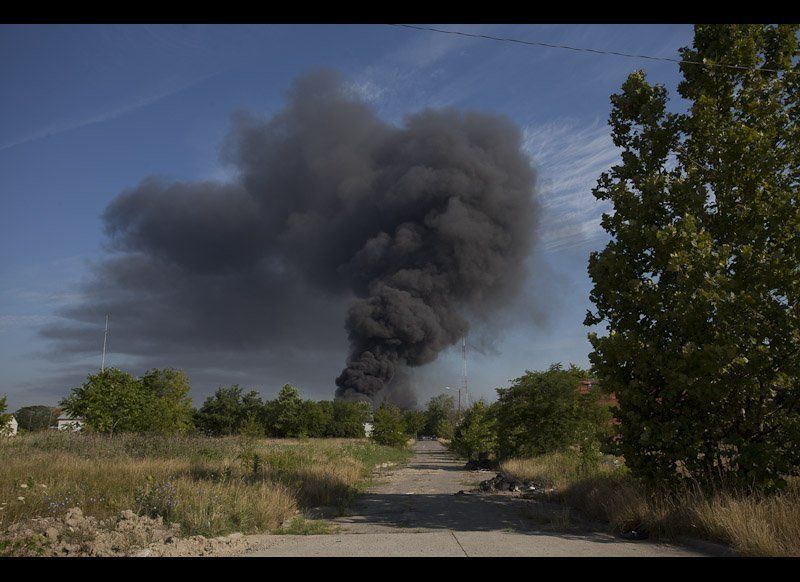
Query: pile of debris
127, 534
502, 482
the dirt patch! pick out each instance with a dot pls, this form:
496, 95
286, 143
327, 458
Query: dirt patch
127, 534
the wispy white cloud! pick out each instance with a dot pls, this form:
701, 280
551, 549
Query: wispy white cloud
105, 116
406, 77
570, 158
366, 90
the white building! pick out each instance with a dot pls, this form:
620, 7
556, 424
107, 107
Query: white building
67, 422
10, 427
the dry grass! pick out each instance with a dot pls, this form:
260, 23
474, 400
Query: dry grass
209, 486
557, 470
752, 524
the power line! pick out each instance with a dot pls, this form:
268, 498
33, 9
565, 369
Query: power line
591, 50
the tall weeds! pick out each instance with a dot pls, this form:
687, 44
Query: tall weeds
208, 486
752, 524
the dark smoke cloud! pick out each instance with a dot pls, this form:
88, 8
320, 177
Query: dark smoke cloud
420, 229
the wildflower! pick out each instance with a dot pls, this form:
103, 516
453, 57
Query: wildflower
24, 485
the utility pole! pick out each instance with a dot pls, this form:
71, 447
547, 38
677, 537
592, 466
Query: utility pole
464, 384
105, 337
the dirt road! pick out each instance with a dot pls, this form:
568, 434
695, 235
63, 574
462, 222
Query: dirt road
415, 511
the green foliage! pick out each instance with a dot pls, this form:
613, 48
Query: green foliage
440, 416
348, 419
252, 428
231, 411
168, 407
227, 411
109, 401
414, 421
475, 436
699, 285
4, 418
33, 418
542, 412
115, 401
388, 427
316, 417
288, 413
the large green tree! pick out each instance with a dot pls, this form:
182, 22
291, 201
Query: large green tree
699, 286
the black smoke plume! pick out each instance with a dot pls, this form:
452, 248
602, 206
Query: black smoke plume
420, 228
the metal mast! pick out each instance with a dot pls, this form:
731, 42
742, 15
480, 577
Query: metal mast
105, 337
464, 358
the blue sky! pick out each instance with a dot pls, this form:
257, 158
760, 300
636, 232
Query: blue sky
89, 111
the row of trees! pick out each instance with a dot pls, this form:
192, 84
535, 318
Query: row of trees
158, 402
394, 427
37, 417
231, 411
539, 413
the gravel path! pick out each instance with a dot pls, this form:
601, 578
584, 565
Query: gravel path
414, 511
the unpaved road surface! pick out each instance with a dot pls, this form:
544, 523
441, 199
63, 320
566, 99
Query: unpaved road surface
414, 511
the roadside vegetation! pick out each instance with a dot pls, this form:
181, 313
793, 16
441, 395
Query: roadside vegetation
5, 418
751, 523
395, 427
543, 431
698, 291
209, 486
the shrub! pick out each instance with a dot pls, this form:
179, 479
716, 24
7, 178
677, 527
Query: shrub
440, 416
476, 435
167, 405
4, 418
114, 401
288, 413
109, 401
388, 427
414, 421
348, 419
543, 412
